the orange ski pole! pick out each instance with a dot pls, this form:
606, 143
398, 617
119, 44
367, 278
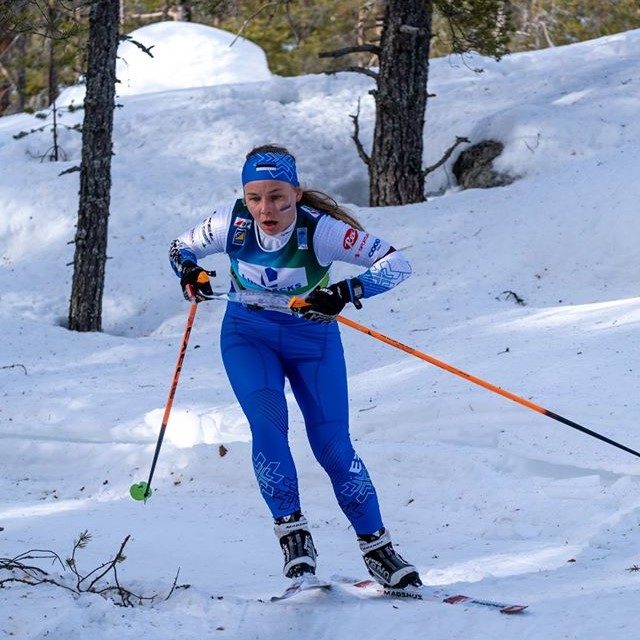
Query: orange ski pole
142, 490
298, 303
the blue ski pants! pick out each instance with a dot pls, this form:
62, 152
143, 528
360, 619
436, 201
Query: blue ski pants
259, 350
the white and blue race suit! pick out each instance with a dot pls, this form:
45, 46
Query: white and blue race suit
262, 348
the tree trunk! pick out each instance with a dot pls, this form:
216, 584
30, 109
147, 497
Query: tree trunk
21, 81
53, 15
85, 309
6, 84
395, 168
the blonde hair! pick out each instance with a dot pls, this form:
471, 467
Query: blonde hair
312, 197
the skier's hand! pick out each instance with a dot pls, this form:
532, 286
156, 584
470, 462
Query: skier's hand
195, 283
323, 305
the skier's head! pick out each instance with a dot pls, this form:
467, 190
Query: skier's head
271, 187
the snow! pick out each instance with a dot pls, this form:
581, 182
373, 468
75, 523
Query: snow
485, 496
181, 56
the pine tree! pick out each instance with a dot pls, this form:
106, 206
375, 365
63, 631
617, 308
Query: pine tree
396, 175
548, 23
85, 309
27, 28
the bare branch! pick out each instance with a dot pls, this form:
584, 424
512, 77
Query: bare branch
360, 48
512, 294
445, 157
9, 45
17, 561
366, 72
83, 540
356, 136
19, 572
140, 46
146, 16
70, 170
292, 24
28, 574
174, 585
13, 366
545, 33
42, 11
26, 555
250, 18
111, 565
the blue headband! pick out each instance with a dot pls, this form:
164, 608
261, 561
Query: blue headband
270, 166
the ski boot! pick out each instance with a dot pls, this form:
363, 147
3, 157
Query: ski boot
297, 545
384, 564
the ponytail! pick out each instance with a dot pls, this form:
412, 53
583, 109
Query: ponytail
325, 203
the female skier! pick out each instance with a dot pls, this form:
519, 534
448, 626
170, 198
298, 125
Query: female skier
281, 238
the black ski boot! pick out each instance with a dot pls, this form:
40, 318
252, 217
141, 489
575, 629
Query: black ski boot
297, 545
387, 566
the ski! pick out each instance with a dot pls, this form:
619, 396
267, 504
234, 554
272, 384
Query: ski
299, 585
370, 588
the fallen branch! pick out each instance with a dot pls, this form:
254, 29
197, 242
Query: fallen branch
18, 570
13, 366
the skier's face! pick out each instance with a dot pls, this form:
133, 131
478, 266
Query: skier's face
272, 204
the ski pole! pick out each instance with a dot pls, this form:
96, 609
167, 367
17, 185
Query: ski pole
142, 490
297, 303
487, 385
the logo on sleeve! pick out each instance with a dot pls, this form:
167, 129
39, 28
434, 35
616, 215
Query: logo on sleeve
374, 247
350, 238
361, 247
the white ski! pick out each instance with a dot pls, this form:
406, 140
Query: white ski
370, 588
298, 585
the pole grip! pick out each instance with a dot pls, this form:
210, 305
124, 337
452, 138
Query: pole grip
298, 304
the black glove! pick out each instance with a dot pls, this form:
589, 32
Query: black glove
326, 303
195, 282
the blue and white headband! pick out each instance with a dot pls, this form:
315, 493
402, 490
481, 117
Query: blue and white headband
270, 166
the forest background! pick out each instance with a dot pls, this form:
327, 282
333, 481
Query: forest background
41, 41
